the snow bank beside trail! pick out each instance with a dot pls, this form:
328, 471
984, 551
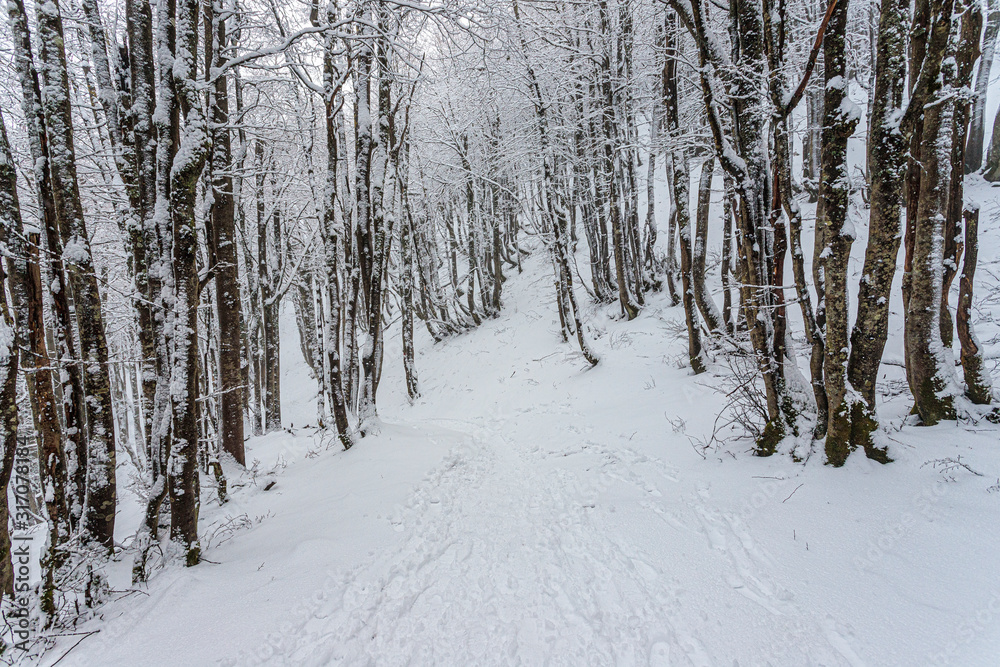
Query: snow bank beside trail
528, 509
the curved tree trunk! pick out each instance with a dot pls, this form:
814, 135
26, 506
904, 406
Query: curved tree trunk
977, 378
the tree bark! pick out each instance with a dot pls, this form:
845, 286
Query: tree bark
331, 240
977, 127
100, 497
63, 333
706, 304
928, 362
185, 172
886, 168
840, 117
608, 123
223, 248
12, 340
406, 281
8, 402
977, 378
991, 171
143, 239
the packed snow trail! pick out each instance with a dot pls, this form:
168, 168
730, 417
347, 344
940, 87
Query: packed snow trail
512, 554
502, 561
529, 509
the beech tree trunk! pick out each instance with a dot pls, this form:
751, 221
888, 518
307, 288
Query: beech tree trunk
609, 167
223, 249
991, 171
63, 333
928, 362
99, 458
8, 416
185, 172
364, 143
331, 241
24, 267
143, 238
13, 333
977, 126
406, 268
706, 304
840, 117
966, 53
681, 202
886, 168
977, 377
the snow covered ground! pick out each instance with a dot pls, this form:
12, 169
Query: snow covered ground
531, 510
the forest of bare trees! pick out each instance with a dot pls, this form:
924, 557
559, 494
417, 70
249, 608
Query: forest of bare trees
174, 172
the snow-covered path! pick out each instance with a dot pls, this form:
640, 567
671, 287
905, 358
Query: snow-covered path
531, 510
506, 558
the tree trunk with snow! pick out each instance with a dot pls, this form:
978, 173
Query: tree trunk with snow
681, 202
977, 126
185, 172
991, 170
406, 289
63, 332
222, 243
965, 55
8, 424
840, 117
886, 167
27, 292
609, 168
363, 147
928, 362
143, 239
99, 461
13, 333
331, 235
977, 377
706, 304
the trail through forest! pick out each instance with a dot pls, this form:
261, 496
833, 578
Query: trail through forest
467, 333
531, 510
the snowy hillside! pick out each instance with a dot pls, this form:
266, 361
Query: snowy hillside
531, 510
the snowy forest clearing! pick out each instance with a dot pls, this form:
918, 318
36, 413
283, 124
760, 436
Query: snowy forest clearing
529, 508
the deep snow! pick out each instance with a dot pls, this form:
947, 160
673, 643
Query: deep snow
531, 510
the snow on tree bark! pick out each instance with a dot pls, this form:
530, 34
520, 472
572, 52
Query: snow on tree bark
12, 340
977, 126
929, 364
99, 463
223, 248
706, 304
23, 270
840, 117
182, 467
887, 167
